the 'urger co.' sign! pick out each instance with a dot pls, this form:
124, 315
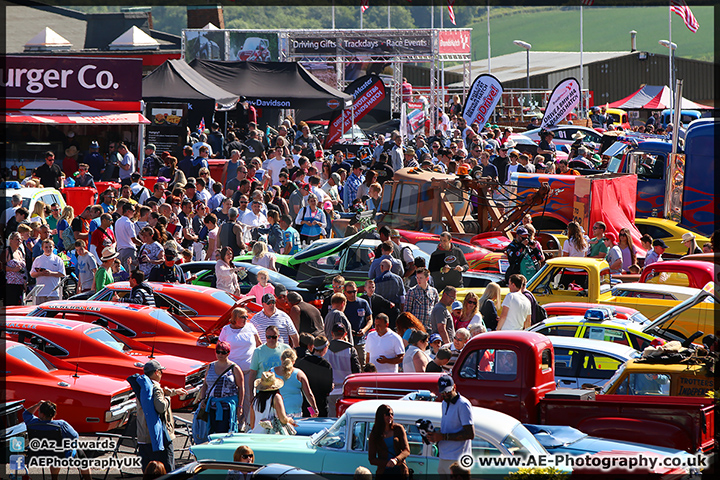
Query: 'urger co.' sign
72, 78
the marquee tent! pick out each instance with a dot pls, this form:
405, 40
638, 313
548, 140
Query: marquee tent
654, 97
273, 84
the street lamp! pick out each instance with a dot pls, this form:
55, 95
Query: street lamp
527, 48
672, 46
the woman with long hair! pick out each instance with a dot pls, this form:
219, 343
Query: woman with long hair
295, 385
470, 312
490, 305
416, 357
222, 392
66, 218
15, 271
262, 257
312, 220
225, 272
38, 213
151, 252
174, 174
388, 445
627, 248
405, 323
268, 408
689, 240
575, 245
210, 222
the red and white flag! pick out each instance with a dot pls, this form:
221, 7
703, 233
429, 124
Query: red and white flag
451, 12
682, 9
364, 5
587, 3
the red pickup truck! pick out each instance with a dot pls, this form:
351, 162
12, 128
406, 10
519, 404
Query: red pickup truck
513, 372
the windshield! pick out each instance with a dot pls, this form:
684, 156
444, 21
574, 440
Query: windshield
105, 337
520, 442
168, 319
334, 437
614, 378
27, 355
318, 248
104, 295
224, 297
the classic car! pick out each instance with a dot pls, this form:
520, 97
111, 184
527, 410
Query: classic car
102, 352
30, 196
581, 361
478, 258
670, 232
205, 272
343, 447
220, 470
597, 324
556, 309
564, 133
674, 324
88, 402
151, 326
683, 273
197, 306
638, 377
651, 291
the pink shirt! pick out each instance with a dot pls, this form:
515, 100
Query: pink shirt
258, 291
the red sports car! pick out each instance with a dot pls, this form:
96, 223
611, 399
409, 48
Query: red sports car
88, 402
152, 326
196, 306
102, 352
479, 258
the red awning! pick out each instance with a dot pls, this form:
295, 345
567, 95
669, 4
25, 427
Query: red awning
94, 118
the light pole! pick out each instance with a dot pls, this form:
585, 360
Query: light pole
527, 48
672, 46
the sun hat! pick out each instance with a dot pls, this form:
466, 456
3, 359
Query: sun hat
268, 381
687, 236
109, 254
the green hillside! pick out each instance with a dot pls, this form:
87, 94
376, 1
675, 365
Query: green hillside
605, 29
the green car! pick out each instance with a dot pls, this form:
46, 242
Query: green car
339, 450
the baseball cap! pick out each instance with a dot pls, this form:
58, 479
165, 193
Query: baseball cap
611, 236
514, 151
336, 178
445, 384
150, 146
268, 298
434, 338
358, 164
170, 254
659, 243
151, 367
457, 304
280, 289
94, 144
521, 231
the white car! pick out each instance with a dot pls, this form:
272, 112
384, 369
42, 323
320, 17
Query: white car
654, 291
31, 196
582, 361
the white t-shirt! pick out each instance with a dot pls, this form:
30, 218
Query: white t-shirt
124, 233
572, 250
242, 343
390, 345
518, 310
274, 166
52, 263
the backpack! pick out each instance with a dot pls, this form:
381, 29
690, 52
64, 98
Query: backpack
136, 196
528, 266
540, 313
68, 238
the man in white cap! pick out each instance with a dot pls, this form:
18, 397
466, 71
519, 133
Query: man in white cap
457, 428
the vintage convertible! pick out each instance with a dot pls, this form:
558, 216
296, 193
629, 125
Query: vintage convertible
88, 402
344, 446
102, 352
152, 326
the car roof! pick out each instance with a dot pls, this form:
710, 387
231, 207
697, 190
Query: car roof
577, 319
599, 346
497, 424
43, 324
29, 192
657, 288
83, 305
160, 286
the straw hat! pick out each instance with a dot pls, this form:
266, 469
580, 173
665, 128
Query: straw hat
268, 381
578, 135
109, 254
71, 151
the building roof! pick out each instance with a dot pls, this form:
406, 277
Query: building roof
47, 39
513, 66
133, 38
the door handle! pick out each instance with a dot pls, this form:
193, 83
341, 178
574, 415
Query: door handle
511, 395
566, 381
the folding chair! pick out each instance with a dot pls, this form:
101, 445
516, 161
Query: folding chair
126, 442
183, 428
47, 432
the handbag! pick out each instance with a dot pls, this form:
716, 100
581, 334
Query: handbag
202, 414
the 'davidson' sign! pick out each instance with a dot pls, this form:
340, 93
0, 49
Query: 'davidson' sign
72, 78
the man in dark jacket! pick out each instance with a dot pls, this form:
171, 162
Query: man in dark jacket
344, 360
140, 292
167, 271
319, 374
447, 264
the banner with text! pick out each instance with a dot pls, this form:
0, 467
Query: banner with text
168, 128
484, 94
414, 118
368, 92
563, 99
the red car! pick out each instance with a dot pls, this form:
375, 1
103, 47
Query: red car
684, 273
102, 352
152, 326
558, 309
196, 306
478, 258
90, 403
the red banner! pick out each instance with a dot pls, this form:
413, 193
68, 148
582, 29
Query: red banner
454, 41
367, 93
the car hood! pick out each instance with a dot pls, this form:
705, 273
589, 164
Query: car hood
660, 326
325, 249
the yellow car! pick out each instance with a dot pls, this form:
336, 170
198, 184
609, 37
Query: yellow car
674, 380
597, 327
670, 232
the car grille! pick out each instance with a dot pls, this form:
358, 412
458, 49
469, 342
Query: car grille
121, 398
195, 379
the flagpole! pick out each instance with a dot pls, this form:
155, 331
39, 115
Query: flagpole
488, 25
361, 18
432, 14
582, 70
333, 15
670, 66
388, 13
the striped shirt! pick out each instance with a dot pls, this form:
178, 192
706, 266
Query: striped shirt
279, 319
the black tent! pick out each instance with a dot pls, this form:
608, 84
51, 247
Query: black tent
273, 84
174, 81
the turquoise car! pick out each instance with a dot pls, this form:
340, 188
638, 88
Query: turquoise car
339, 450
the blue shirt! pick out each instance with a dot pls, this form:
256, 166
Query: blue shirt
215, 201
350, 189
454, 417
292, 237
66, 430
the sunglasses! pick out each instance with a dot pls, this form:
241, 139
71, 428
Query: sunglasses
243, 316
350, 291
221, 352
472, 302
245, 457
271, 337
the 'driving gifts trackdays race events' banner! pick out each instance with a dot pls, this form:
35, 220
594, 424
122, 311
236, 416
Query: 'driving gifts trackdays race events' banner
563, 99
367, 91
482, 98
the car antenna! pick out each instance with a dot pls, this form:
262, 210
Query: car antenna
75, 375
